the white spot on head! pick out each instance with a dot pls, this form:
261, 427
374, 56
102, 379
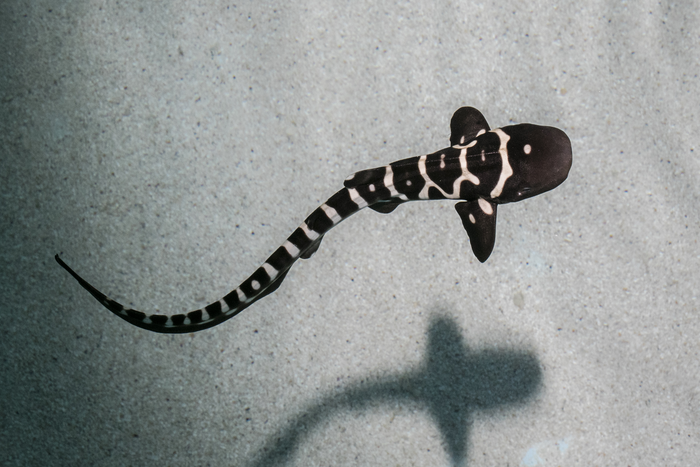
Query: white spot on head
372, 188
255, 285
527, 148
471, 219
409, 183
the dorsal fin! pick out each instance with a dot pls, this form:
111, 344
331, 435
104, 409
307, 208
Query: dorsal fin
467, 123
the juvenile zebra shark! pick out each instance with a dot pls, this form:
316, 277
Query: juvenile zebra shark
482, 167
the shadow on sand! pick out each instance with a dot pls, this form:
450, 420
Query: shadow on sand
451, 384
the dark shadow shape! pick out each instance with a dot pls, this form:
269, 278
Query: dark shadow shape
451, 383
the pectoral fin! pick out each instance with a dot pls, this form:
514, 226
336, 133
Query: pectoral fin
467, 123
479, 219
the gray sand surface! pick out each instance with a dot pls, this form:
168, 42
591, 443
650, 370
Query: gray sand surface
167, 148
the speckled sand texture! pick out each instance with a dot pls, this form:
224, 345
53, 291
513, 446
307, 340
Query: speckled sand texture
167, 148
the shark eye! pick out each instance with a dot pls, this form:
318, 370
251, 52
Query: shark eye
527, 149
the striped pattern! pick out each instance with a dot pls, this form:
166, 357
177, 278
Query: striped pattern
481, 167
266, 276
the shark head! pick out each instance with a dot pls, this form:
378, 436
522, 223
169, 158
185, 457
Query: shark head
540, 157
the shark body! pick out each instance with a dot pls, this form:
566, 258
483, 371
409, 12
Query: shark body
482, 168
